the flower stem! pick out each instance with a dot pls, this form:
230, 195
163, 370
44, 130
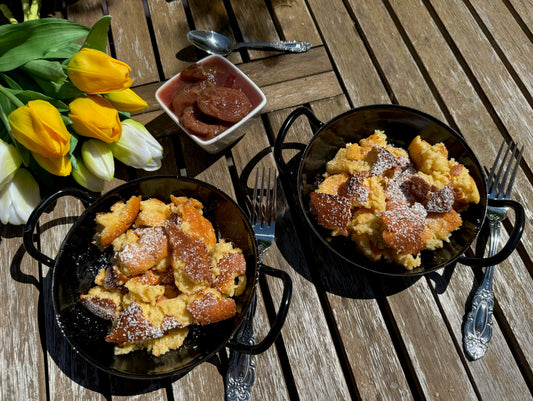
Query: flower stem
25, 8
8, 14
35, 10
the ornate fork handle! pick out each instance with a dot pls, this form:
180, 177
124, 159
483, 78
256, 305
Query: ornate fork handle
241, 371
478, 325
293, 46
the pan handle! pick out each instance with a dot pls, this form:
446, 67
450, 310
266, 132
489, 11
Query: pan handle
276, 326
512, 242
29, 229
316, 124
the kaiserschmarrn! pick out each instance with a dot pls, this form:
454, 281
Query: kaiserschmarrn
168, 271
393, 203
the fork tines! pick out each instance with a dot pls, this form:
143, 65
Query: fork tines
499, 182
264, 198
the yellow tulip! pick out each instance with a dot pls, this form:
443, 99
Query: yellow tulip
55, 165
93, 71
126, 100
95, 117
39, 128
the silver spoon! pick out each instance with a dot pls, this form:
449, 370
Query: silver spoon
216, 43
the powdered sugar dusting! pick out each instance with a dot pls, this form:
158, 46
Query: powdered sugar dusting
132, 326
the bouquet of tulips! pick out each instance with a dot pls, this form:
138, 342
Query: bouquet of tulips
64, 112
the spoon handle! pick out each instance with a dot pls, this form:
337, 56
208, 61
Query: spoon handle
293, 46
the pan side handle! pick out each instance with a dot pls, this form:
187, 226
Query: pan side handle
277, 324
316, 124
33, 220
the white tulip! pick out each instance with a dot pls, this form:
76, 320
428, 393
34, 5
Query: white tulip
137, 147
19, 198
98, 159
86, 179
10, 161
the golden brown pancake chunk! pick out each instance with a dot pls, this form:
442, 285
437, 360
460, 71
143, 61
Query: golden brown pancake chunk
189, 251
210, 307
144, 253
114, 223
231, 267
132, 326
333, 212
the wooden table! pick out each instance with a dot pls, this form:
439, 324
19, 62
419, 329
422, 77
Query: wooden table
348, 334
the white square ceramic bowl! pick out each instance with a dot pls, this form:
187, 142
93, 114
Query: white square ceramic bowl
166, 92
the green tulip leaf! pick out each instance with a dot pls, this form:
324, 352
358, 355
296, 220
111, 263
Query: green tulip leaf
97, 37
30, 40
73, 144
4, 135
73, 159
26, 96
8, 100
63, 90
45, 69
67, 121
65, 52
5, 110
123, 115
18, 79
10, 82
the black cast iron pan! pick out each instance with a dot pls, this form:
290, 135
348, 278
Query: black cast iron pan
401, 125
78, 261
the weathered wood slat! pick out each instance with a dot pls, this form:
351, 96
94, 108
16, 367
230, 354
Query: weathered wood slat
22, 366
523, 10
356, 72
132, 41
432, 352
494, 79
301, 91
505, 32
295, 21
280, 68
397, 66
170, 27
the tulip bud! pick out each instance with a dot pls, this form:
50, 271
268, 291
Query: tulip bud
98, 159
19, 198
38, 126
137, 147
86, 179
60, 166
95, 117
93, 72
126, 100
10, 161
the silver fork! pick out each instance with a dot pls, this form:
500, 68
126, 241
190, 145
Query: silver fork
241, 369
477, 330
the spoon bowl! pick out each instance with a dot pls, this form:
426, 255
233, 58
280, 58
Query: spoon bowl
216, 43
